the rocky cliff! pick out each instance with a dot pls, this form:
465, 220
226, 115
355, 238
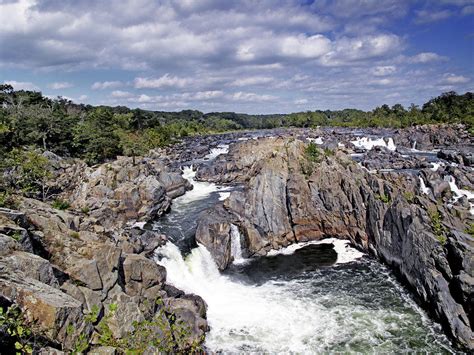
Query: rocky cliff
84, 278
295, 195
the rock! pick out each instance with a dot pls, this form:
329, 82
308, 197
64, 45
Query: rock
34, 266
118, 191
57, 315
141, 274
8, 245
124, 312
213, 231
103, 350
87, 273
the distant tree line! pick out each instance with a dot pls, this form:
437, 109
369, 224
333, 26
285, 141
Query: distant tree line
29, 119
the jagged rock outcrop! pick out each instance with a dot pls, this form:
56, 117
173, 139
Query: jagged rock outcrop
69, 281
125, 189
289, 198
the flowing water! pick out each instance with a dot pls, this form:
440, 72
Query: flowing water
308, 298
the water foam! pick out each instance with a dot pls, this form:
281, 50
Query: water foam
460, 192
215, 152
235, 244
283, 316
318, 140
368, 143
345, 253
423, 188
201, 189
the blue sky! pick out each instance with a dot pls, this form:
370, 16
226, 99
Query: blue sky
261, 56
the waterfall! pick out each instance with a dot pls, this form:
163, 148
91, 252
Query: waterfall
296, 315
414, 145
215, 152
201, 189
235, 244
460, 192
369, 143
425, 190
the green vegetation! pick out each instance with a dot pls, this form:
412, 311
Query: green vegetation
17, 332
60, 204
470, 229
164, 332
437, 224
312, 156
409, 196
382, 197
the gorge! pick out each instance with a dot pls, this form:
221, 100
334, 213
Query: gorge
303, 240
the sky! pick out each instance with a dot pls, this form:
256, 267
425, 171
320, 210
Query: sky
253, 56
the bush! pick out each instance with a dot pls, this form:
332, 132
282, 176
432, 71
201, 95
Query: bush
27, 172
437, 225
18, 333
60, 204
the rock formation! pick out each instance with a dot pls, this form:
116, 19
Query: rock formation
292, 197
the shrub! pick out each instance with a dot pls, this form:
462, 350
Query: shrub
382, 197
437, 225
60, 204
85, 210
13, 325
74, 235
409, 196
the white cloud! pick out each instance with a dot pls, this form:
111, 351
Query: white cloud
103, 85
60, 85
251, 97
450, 78
426, 57
384, 70
353, 49
83, 97
121, 94
468, 10
164, 81
22, 85
301, 102
253, 80
426, 16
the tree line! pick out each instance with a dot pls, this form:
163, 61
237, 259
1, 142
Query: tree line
95, 134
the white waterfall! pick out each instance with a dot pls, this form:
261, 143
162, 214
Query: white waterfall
460, 192
215, 152
201, 189
271, 318
236, 248
414, 145
423, 188
369, 143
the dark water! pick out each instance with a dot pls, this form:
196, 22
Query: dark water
304, 302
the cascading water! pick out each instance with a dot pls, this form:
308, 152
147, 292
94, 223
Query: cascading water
236, 248
301, 308
307, 298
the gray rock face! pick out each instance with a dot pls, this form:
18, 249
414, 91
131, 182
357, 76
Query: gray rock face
385, 214
120, 191
213, 231
56, 314
83, 276
141, 274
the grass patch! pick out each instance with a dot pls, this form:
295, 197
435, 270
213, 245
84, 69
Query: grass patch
437, 225
60, 204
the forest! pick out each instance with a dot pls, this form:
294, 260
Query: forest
31, 122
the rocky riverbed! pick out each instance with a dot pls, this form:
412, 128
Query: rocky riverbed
405, 197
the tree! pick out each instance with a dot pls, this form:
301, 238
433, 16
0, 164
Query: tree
96, 137
26, 171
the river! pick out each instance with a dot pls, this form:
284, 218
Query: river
308, 298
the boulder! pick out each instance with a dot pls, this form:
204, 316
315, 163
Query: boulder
141, 274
